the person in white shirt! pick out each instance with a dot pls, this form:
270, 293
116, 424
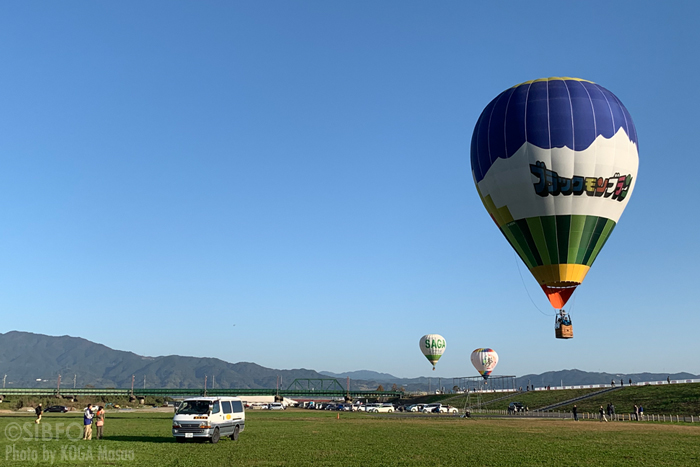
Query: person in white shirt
87, 423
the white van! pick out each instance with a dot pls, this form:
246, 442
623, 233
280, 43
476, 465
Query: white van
209, 417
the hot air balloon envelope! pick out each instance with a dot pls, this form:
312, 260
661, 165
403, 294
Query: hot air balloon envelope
433, 346
555, 162
484, 360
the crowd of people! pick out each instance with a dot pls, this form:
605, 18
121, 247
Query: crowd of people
609, 412
90, 417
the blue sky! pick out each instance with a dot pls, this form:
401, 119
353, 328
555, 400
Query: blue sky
289, 183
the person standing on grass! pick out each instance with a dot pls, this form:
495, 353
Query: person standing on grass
100, 421
636, 412
87, 423
38, 411
601, 411
641, 412
575, 411
612, 412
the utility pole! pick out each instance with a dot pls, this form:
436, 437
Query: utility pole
3, 381
58, 386
144, 381
205, 385
74, 378
132, 384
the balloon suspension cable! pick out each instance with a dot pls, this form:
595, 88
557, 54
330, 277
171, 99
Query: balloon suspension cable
573, 301
517, 265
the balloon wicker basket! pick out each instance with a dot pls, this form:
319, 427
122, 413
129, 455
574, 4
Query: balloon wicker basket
564, 331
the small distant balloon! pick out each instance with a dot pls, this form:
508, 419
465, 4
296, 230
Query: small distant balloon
433, 346
484, 360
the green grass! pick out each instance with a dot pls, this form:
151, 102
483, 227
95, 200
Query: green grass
673, 399
531, 399
304, 437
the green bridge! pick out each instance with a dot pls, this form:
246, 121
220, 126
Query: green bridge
300, 388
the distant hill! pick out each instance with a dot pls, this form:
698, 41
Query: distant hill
578, 377
362, 375
26, 357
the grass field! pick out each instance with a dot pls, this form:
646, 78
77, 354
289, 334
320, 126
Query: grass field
303, 437
675, 399
532, 399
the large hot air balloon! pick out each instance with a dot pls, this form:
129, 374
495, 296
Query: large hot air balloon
432, 346
484, 360
555, 162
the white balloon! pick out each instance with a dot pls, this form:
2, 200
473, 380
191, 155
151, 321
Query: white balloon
484, 360
432, 346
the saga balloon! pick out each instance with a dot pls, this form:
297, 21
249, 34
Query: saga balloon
432, 346
484, 360
555, 162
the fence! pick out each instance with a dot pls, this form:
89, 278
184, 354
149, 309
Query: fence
607, 385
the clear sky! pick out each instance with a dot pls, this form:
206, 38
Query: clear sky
288, 182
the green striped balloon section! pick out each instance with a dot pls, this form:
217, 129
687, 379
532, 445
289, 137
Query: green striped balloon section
569, 239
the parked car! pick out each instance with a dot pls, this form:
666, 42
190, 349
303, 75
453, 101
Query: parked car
431, 408
414, 408
450, 409
209, 418
57, 408
381, 408
275, 406
516, 407
359, 406
370, 407
439, 408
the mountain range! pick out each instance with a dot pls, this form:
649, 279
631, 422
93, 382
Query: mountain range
36, 360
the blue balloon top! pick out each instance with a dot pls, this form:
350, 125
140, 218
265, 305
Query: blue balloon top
548, 113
